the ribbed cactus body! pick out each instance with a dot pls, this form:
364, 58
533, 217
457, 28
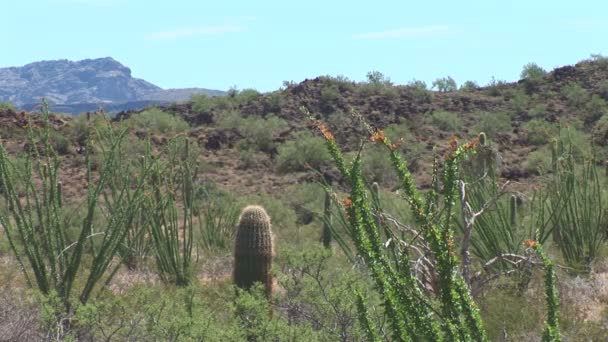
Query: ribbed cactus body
253, 250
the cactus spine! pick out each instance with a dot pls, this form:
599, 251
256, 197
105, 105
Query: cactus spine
253, 251
327, 221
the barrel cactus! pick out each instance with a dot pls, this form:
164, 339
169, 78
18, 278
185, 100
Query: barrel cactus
253, 250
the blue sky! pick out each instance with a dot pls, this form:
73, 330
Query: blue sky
258, 44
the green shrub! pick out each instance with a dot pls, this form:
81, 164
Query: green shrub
538, 131
207, 104
273, 102
158, 121
575, 95
329, 96
260, 133
519, 100
492, 123
469, 86
378, 84
595, 109
7, 105
304, 151
445, 84
539, 161
538, 111
417, 84
532, 72
496, 87
446, 121
600, 131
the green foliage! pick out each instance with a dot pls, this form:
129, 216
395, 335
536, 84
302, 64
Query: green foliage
330, 94
538, 111
378, 84
217, 216
157, 121
595, 109
600, 131
37, 233
7, 105
519, 100
575, 95
538, 161
417, 84
496, 87
303, 152
410, 317
469, 86
493, 123
273, 102
445, 84
170, 210
576, 195
532, 72
446, 121
538, 131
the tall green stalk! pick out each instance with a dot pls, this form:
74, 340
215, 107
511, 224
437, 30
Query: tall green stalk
171, 212
51, 260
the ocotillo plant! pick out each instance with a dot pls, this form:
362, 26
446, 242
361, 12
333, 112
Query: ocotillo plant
412, 315
327, 221
171, 213
34, 225
253, 251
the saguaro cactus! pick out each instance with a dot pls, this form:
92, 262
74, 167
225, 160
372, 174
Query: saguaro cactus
253, 251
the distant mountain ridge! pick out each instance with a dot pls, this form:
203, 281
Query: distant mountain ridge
89, 83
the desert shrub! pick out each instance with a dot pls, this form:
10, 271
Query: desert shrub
417, 84
538, 161
377, 168
538, 131
378, 84
602, 89
446, 121
61, 144
315, 293
304, 151
158, 121
273, 102
595, 109
445, 84
246, 96
600, 60
519, 100
259, 133
469, 86
496, 87
538, 111
532, 72
330, 94
204, 103
420, 90
6, 105
600, 131
575, 95
492, 123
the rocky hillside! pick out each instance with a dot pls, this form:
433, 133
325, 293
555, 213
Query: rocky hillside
91, 81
